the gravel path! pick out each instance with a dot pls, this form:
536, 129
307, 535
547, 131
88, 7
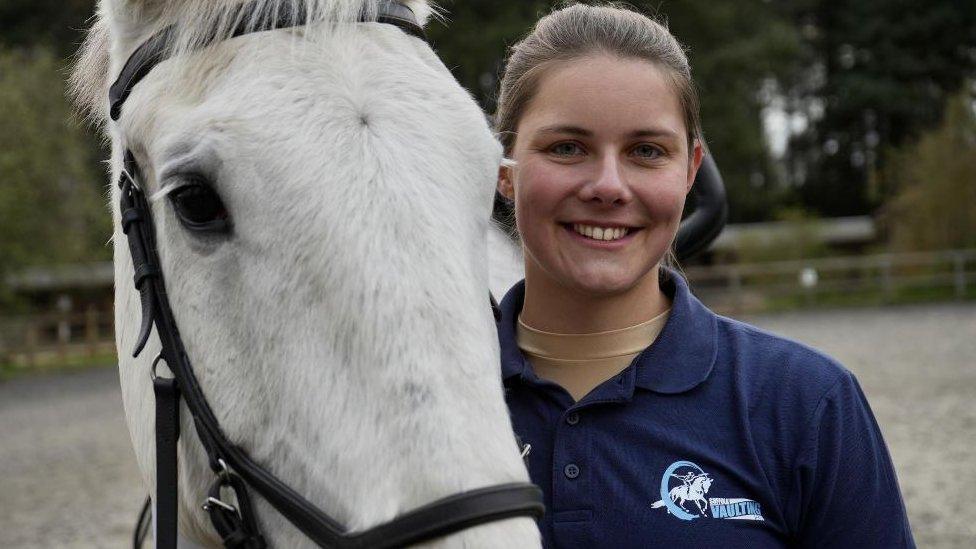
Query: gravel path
68, 475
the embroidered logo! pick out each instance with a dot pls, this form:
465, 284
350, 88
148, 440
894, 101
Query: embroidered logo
693, 487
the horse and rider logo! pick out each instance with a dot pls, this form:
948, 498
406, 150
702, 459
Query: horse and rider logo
693, 487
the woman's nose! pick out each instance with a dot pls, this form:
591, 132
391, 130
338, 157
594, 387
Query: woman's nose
608, 185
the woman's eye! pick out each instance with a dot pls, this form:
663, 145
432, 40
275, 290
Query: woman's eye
647, 151
566, 149
199, 208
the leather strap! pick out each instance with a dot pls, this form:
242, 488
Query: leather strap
167, 433
143, 523
236, 526
399, 15
452, 514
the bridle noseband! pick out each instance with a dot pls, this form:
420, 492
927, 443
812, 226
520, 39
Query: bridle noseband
234, 469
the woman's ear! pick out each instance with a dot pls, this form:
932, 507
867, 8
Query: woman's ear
695, 157
505, 177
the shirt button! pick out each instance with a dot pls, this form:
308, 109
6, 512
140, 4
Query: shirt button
571, 471
572, 418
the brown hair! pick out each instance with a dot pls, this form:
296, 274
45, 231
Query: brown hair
580, 30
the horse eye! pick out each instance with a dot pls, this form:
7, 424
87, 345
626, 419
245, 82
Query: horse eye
199, 208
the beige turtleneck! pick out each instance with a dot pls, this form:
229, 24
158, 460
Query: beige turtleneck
580, 362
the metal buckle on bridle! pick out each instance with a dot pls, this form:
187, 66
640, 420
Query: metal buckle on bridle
223, 479
152, 371
236, 526
214, 501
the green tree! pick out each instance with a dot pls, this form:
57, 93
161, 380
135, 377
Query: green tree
880, 74
935, 205
51, 207
473, 38
737, 49
54, 24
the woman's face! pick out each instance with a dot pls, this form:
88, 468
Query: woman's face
602, 171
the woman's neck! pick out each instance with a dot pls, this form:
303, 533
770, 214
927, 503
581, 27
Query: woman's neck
553, 307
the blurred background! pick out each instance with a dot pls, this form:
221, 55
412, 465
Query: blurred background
845, 132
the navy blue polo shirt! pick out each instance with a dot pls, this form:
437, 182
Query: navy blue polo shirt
716, 435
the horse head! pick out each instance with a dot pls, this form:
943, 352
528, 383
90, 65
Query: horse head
702, 484
337, 319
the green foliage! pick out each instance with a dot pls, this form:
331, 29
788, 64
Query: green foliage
474, 38
735, 48
51, 206
935, 206
886, 69
53, 24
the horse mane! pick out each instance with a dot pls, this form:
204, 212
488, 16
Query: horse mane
198, 22
88, 84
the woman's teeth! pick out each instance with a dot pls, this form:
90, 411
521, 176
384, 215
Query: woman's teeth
601, 233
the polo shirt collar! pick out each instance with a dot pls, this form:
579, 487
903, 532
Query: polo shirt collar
513, 362
681, 358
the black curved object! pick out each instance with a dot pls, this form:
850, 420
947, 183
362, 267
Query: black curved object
711, 211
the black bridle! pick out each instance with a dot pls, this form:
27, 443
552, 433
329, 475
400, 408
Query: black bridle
233, 468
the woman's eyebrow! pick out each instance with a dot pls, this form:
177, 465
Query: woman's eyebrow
563, 128
653, 132
583, 132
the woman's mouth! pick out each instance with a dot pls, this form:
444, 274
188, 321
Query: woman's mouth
599, 234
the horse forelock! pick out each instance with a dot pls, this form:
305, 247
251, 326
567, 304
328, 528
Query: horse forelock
119, 26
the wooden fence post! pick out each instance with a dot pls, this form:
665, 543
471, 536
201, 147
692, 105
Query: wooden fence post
91, 330
63, 335
887, 287
959, 274
31, 341
735, 282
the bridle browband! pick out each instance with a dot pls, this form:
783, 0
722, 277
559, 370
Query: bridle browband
155, 49
235, 470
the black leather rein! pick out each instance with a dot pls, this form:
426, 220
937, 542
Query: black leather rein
234, 469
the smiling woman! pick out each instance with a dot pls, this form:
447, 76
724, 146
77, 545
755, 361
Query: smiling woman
602, 170
637, 400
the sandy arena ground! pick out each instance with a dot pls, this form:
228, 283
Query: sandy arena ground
68, 476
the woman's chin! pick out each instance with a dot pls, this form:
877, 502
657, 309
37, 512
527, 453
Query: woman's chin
604, 283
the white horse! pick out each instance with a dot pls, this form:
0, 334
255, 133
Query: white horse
694, 491
341, 330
